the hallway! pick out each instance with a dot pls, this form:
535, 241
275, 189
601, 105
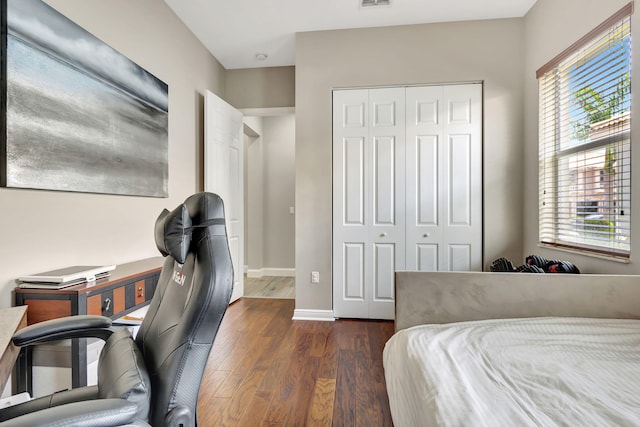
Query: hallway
270, 287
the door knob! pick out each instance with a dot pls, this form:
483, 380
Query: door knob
383, 235
426, 235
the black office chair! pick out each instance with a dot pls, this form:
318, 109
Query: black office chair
154, 379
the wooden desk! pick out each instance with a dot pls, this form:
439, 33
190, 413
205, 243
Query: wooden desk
11, 319
129, 287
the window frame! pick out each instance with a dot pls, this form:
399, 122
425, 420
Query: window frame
551, 151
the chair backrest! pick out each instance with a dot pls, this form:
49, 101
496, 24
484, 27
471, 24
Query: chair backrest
184, 315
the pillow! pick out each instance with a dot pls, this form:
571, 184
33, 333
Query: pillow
173, 233
122, 373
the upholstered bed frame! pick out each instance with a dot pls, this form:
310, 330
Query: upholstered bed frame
446, 297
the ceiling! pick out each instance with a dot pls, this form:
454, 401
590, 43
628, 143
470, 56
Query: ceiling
235, 31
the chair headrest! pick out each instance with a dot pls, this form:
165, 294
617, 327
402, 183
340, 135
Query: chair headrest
173, 233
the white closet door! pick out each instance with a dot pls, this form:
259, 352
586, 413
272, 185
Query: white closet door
424, 175
444, 178
368, 205
351, 218
387, 198
407, 187
463, 187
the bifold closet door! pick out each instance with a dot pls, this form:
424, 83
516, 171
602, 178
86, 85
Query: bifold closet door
368, 200
407, 189
444, 178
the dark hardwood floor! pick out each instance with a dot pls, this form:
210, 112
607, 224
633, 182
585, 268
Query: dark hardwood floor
268, 370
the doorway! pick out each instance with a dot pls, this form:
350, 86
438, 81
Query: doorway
269, 144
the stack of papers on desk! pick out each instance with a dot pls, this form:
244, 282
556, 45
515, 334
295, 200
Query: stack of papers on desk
64, 277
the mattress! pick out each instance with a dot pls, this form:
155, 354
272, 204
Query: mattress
516, 372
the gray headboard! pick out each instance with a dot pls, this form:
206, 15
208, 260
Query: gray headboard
446, 297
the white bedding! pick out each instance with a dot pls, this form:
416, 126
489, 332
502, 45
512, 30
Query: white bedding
516, 372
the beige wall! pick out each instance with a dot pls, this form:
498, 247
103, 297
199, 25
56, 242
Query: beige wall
552, 26
489, 51
279, 191
42, 230
254, 195
261, 87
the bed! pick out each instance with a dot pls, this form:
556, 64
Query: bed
503, 349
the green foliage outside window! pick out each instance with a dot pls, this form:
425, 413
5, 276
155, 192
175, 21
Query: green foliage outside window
601, 106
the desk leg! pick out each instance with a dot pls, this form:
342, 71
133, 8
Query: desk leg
78, 362
24, 366
24, 371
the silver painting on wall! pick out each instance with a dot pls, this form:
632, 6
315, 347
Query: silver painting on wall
76, 114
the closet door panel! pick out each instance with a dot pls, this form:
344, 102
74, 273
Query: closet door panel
384, 182
353, 197
350, 296
423, 176
351, 213
381, 304
462, 230
460, 257
427, 257
384, 269
459, 180
387, 232
353, 271
354, 112
426, 191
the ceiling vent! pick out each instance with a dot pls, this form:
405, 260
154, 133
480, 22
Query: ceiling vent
371, 3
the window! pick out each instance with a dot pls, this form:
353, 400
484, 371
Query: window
585, 142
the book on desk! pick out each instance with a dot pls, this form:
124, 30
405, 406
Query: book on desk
65, 277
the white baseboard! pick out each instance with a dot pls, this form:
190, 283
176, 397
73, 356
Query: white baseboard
322, 315
255, 273
280, 272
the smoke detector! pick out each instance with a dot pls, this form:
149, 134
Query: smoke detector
371, 3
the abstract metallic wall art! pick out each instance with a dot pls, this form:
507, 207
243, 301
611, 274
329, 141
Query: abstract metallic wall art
76, 114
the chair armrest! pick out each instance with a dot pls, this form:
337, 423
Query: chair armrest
64, 328
101, 412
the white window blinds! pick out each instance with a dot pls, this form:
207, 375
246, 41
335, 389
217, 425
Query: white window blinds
585, 142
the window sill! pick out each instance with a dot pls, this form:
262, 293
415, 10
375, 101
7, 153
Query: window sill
586, 253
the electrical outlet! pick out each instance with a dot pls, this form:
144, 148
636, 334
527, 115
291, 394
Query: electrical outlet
315, 277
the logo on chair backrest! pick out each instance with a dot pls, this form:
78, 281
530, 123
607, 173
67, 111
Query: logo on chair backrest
178, 277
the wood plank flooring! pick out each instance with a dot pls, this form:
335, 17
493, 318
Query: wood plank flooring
269, 287
268, 370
